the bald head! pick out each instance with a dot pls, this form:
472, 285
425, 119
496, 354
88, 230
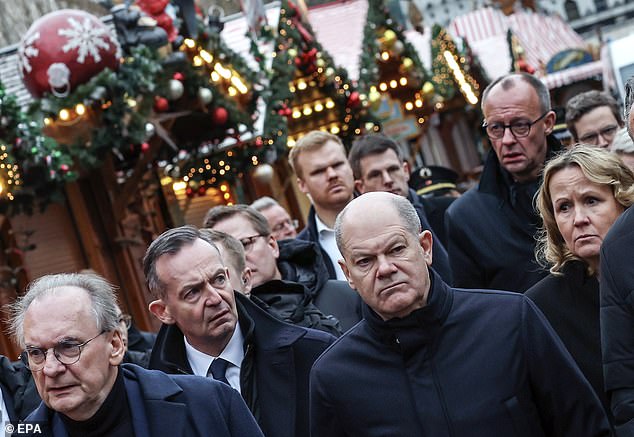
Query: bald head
378, 203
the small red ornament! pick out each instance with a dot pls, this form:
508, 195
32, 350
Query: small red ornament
64, 168
64, 49
161, 104
178, 76
202, 190
189, 192
259, 142
354, 100
220, 116
145, 147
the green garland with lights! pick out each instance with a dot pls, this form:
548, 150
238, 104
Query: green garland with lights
299, 56
33, 168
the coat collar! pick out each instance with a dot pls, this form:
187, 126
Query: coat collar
413, 332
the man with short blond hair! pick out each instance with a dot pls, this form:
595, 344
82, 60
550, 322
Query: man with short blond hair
324, 175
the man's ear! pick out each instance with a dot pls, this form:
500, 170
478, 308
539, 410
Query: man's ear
407, 171
549, 122
274, 246
358, 185
247, 277
426, 242
161, 311
346, 272
118, 348
301, 185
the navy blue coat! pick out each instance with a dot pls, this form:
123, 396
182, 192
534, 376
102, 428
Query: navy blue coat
617, 320
491, 233
470, 363
163, 405
275, 370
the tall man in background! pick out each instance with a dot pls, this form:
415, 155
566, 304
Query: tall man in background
491, 228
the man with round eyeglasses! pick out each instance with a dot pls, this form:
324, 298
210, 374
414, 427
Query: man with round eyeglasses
491, 228
593, 117
282, 225
68, 325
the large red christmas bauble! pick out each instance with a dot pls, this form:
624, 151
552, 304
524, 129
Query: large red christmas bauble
220, 116
64, 49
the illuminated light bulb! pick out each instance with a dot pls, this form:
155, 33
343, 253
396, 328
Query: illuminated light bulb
198, 61
207, 57
334, 130
237, 82
223, 188
131, 103
215, 76
291, 143
372, 89
190, 43
307, 110
393, 84
179, 185
226, 196
330, 104
232, 91
291, 88
296, 113
221, 172
369, 125
403, 81
207, 167
222, 71
357, 131
383, 86
301, 85
80, 109
47, 121
64, 115
409, 106
418, 103
385, 56
318, 107
421, 120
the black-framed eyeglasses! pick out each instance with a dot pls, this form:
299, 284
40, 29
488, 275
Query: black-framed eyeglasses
519, 129
607, 133
292, 224
127, 319
247, 242
66, 352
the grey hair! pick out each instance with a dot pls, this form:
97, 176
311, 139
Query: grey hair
101, 293
169, 242
264, 202
622, 143
508, 81
233, 247
404, 208
629, 100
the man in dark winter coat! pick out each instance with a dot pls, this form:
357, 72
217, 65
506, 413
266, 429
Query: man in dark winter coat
287, 275
324, 175
210, 330
491, 228
378, 165
68, 327
432, 360
617, 311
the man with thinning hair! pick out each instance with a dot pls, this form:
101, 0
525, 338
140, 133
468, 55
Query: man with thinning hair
68, 325
431, 360
211, 330
491, 228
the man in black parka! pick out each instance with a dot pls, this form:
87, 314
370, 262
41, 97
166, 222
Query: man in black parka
430, 360
491, 228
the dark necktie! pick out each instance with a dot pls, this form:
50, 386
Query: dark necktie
217, 369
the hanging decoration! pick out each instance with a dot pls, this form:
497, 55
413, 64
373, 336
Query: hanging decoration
64, 49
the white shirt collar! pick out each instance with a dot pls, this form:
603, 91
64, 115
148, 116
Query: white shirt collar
233, 352
321, 226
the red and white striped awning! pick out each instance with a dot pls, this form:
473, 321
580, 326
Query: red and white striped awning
541, 36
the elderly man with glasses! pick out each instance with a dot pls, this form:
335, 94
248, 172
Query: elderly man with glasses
68, 325
491, 228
